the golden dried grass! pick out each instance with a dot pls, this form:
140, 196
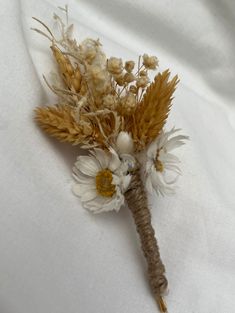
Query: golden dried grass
92, 129
152, 112
59, 122
71, 76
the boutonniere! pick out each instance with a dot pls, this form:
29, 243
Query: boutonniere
112, 109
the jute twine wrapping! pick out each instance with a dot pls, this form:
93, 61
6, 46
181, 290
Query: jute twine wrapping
137, 202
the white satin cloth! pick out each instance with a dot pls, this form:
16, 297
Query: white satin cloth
55, 257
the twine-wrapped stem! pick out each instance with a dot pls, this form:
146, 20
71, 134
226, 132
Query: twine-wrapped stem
137, 202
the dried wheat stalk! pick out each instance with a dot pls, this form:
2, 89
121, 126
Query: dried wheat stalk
151, 114
70, 75
58, 121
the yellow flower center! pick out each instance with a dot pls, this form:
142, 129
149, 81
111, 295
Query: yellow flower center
158, 164
104, 184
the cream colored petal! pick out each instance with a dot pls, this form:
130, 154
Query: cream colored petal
162, 139
157, 179
102, 157
173, 168
114, 204
116, 179
89, 195
98, 202
126, 182
168, 158
85, 180
114, 162
76, 190
87, 165
160, 184
172, 181
149, 165
80, 189
175, 142
152, 150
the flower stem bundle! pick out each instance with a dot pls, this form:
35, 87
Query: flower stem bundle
137, 202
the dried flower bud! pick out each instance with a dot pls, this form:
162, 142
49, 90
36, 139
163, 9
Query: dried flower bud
124, 143
142, 82
98, 80
150, 62
89, 49
129, 77
133, 89
128, 103
90, 54
143, 73
110, 102
119, 79
97, 74
114, 66
71, 76
129, 66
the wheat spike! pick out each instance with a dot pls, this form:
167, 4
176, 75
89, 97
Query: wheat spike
151, 114
71, 76
58, 121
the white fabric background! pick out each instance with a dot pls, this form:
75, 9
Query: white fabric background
54, 256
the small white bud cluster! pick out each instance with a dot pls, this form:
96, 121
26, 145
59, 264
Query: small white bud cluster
124, 143
150, 62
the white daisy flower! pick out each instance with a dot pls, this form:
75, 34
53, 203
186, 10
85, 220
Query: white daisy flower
101, 181
161, 169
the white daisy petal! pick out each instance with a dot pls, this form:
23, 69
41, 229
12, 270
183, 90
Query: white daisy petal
81, 188
175, 142
161, 167
83, 180
158, 179
87, 165
110, 205
126, 182
102, 157
173, 168
173, 181
168, 158
89, 195
95, 204
149, 165
116, 179
114, 161
152, 150
92, 174
76, 190
162, 139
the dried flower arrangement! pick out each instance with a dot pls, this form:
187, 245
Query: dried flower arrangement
113, 109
